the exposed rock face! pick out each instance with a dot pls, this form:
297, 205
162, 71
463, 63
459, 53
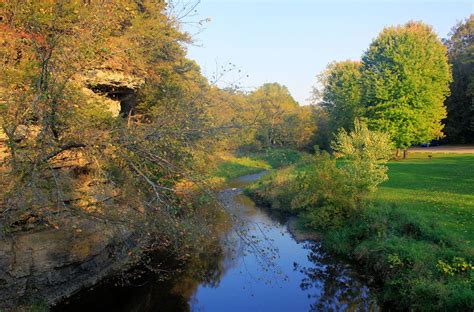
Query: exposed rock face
119, 88
42, 261
112, 106
3, 166
50, 264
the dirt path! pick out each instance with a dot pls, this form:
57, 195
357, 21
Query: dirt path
456, 149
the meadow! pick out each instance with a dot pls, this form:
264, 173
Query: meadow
437, 187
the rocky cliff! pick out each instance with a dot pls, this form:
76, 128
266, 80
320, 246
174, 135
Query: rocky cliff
46, 255
49, 264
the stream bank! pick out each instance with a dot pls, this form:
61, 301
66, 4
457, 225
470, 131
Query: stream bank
260, 267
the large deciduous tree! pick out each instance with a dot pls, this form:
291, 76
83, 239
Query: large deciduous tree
460, 104
405, 80
341, 94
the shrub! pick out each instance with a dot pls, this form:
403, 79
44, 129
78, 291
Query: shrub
332, 191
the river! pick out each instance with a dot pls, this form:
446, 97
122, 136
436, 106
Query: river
261, 268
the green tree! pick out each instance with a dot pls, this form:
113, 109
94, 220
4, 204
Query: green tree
298, 128
341, 93
405, 80
235, 116
366, 153
321, 139
460, 104
272, 103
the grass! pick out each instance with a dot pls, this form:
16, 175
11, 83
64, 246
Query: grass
440, 189
278, 157
415, 235
231, 167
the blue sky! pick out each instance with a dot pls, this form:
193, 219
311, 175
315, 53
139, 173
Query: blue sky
291, 41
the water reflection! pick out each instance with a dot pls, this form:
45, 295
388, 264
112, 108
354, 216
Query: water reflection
255, 266
273, 272
332, 284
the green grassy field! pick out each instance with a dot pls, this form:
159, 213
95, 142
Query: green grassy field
278, 157
439, 189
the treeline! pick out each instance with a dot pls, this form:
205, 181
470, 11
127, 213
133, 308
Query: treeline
409, 83
460, 104
103, 116
401, 86
264, 118
398, 87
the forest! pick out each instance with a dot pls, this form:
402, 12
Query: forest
116, 150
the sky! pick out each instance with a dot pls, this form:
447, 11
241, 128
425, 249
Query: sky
292, 41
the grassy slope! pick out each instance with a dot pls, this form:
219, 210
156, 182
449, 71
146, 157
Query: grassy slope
231, 167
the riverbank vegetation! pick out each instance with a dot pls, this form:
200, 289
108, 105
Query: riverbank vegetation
105, 126
414, 233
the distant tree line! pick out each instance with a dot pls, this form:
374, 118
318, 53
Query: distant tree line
264, 118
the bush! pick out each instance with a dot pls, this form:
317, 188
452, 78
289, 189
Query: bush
331, 192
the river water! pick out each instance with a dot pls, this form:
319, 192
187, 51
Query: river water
261, 268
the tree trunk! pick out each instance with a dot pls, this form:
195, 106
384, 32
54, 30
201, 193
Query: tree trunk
397, 155
405, 153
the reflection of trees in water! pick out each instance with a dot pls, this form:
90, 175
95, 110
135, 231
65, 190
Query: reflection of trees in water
332, 284
248, 240
151, 292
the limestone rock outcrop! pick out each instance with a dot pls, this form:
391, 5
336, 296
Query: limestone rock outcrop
47, 261
116, 89
48, 265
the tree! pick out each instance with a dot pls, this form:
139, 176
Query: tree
405, 79
124, 168
341, 94
231, 111
321, 139
366, 153
272, 103
298, 128
460, 104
